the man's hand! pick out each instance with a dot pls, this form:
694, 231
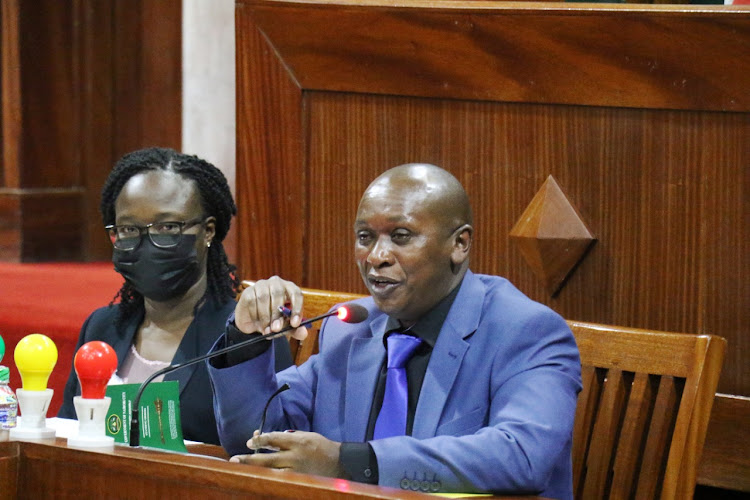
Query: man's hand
258, 307
299, 451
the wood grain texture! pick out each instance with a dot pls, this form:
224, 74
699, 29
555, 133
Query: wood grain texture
10, 92
83, 82
639, 178
147, 74
726, 454
639, 112
40, 224
93, 73
49, 469
9, 458
634, 56
551, 236
270, 146
665, 258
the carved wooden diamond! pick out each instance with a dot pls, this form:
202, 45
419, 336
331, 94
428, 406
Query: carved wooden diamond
552, 236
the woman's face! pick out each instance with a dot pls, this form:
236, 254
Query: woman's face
165, 196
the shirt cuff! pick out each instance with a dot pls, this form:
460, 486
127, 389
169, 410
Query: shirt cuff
233, 336
359, 462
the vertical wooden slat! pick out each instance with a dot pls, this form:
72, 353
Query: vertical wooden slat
588, 402
629, 455
605, 435
659, 438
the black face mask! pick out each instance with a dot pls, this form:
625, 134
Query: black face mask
160, 273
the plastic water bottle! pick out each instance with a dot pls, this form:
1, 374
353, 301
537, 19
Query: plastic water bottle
8, 404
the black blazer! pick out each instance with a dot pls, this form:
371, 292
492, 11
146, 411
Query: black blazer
196, 396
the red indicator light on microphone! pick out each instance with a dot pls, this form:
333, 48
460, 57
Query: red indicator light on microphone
343, 313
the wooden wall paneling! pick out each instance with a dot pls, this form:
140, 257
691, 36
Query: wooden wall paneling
83, 82
10, 125
611, 55
48, 96
147, 76
724, 303
622, 166
40, 165
638, 176
95, 68
10, 235
271, 146
10, 93
639, 112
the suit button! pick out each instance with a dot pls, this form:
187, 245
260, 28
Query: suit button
435, 486
368, 473
405, 483
414, 484
425, 486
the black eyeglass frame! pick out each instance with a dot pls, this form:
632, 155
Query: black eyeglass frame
145, 229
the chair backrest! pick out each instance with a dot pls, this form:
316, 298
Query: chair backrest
642, 415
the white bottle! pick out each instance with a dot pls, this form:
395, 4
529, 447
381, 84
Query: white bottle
8, 404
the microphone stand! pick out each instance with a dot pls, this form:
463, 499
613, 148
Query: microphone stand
135, 412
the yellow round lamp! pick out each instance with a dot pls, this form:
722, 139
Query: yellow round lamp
35, 356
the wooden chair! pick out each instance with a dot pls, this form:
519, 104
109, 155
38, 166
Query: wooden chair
642, 415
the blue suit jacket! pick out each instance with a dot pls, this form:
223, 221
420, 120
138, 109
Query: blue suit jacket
495, 412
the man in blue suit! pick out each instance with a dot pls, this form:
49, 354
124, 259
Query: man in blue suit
491, 387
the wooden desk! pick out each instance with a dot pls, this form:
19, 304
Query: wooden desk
726, 452
50, 469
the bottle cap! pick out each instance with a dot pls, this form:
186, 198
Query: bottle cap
4, 374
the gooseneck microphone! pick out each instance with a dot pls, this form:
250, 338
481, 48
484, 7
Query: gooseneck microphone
349, 313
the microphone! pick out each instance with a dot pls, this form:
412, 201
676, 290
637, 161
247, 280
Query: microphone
349, 313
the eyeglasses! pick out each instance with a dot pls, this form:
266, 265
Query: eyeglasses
162, 234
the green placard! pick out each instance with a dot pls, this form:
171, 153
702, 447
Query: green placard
159, 416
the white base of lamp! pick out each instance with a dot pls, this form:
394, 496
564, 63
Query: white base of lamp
92, 414
32, 424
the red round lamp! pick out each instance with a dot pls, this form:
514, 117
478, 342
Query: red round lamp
95, 362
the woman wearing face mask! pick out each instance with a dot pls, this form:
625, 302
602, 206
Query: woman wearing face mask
167, 214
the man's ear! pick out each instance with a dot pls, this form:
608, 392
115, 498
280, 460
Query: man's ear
462, 238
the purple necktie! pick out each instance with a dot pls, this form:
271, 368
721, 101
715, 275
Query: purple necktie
392, 417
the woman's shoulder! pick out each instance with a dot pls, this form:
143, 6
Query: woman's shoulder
106, 313
100, 323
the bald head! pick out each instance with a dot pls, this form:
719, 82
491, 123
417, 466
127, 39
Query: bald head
413, 234
436, 189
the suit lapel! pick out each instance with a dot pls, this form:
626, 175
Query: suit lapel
188, 350
447, 356
366, 355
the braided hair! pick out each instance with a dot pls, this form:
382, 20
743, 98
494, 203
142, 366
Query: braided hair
216, 200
